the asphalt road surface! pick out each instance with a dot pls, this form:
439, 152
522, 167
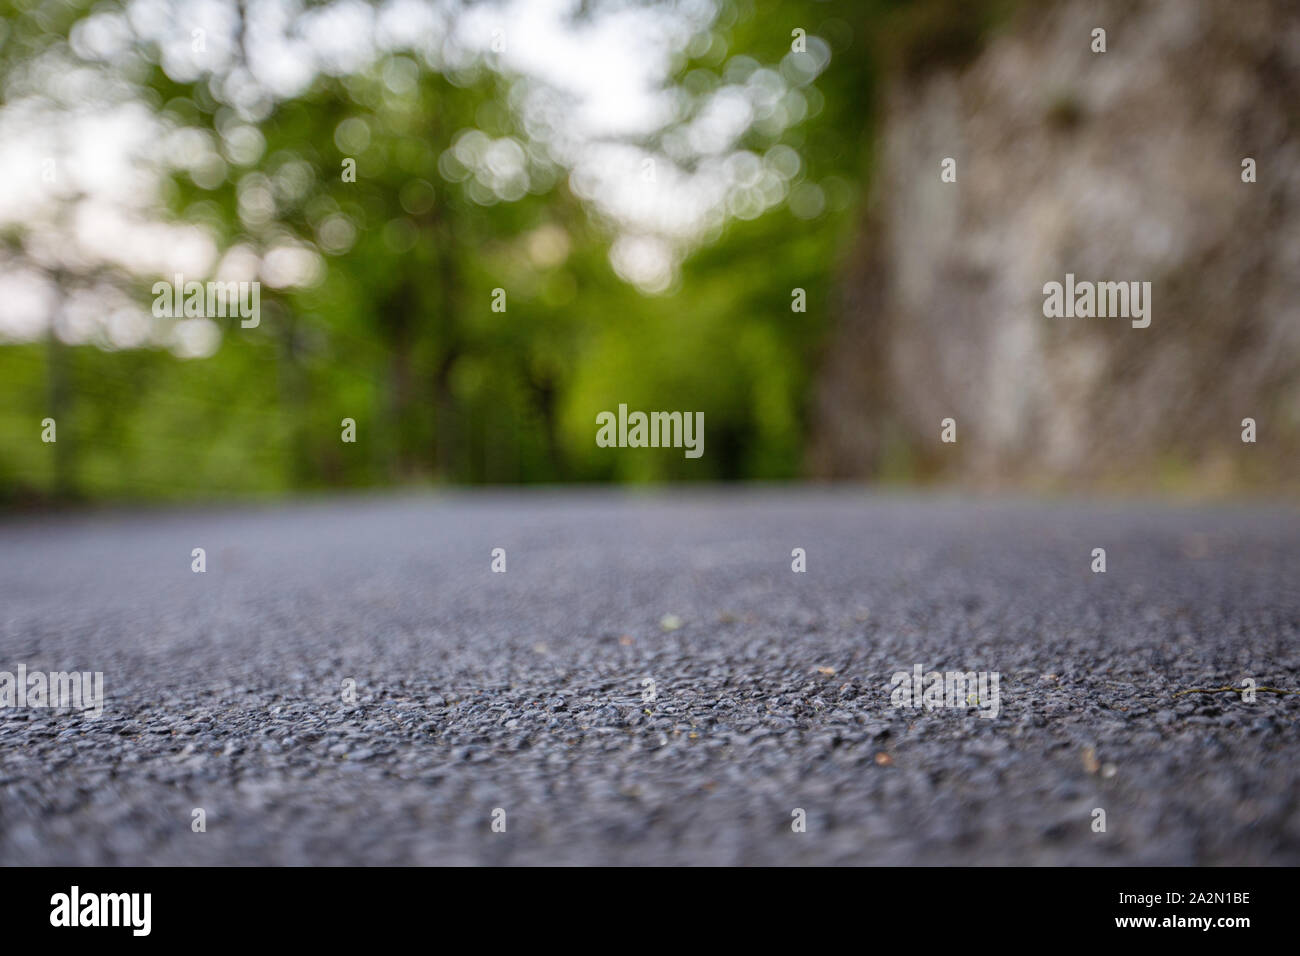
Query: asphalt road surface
523, 691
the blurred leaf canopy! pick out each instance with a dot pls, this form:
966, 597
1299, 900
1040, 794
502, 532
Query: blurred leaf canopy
377, 293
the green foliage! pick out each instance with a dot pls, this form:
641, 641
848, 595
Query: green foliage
399, 333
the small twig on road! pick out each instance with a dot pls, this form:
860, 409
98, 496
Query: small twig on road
1235, 690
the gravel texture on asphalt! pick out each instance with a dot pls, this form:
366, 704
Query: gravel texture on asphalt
524, 691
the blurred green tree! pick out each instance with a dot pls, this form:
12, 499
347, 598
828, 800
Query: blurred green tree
384, 203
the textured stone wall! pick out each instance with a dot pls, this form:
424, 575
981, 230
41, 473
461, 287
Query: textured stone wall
1123, 165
